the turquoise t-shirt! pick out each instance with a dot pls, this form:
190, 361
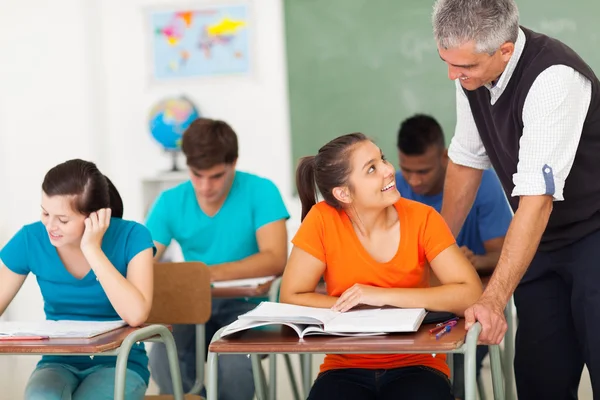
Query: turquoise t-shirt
229, 235
66, 297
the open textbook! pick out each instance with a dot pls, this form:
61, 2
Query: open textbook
324, 321
57, 329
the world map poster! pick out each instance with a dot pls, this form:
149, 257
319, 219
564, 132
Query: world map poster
200, 42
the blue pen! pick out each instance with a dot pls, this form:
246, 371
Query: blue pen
446, 329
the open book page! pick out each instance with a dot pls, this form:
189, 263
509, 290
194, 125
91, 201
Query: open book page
377, 320
301, 330
243, 324
58, 329
250, 282
280, 312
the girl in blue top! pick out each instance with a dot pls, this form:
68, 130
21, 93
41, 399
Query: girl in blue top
90, 265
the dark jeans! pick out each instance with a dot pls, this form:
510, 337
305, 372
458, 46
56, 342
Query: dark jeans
558, 308
458, 383
235, 379
407, 383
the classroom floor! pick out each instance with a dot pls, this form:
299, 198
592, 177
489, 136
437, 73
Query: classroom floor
15, 370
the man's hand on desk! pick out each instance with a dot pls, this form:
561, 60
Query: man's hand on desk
490, 314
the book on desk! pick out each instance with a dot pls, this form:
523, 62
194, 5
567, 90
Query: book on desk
324, 321
48, 329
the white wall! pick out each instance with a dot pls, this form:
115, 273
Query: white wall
75, 83
46, 111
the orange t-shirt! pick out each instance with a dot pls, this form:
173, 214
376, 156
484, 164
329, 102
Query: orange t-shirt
328, 235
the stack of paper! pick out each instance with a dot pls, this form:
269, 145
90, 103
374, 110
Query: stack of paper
57, 329
251, 282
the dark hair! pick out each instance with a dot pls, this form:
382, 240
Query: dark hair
418, 133
207, 142
82, 179
327, 170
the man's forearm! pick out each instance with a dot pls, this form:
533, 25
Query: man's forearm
260, 264
460, 190
520, 246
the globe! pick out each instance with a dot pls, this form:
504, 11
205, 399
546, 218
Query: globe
168, 119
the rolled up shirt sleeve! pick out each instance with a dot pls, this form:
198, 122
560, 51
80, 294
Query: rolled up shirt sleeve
553, 115
466, 147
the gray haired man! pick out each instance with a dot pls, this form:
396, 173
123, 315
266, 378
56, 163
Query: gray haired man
529, 106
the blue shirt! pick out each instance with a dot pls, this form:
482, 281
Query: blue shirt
229, 235
488, 219
70, 298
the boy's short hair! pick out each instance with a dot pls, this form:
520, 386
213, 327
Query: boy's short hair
418, 133
208, 142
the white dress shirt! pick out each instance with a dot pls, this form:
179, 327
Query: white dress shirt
553, 115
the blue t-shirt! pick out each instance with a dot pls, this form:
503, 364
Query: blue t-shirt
70, 298
229, 235
488, 219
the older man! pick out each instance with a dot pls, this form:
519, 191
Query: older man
529, 106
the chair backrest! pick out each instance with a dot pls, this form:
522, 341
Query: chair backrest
182, 293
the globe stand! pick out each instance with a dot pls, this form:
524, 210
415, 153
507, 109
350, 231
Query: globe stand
174, 154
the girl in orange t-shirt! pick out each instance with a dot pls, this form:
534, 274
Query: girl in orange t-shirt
372, 247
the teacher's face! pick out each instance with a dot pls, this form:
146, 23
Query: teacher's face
474, 69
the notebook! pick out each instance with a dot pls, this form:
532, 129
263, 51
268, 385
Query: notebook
57, 329
324, 321
250, 282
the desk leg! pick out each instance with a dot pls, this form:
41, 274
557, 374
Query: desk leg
143, 334
497, 382
272, 377
211, 387
273, 297
306, 363
509, 352
259, 377
120, 371
200, 359
470, 369
292, 376
213, 370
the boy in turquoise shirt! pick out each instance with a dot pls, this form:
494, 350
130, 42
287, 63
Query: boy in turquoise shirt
230, 220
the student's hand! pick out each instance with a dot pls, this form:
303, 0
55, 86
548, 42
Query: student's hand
95, 227
469, 254
359, 294
490, 315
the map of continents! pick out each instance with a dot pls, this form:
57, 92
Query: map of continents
211, 41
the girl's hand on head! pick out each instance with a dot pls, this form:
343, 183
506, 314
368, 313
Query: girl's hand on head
95, 226
359, 294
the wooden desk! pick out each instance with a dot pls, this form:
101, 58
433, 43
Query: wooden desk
114, 343
107, 341
285, 341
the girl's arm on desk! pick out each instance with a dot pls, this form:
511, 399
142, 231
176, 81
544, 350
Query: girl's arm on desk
460, 287
10, 283
300, 279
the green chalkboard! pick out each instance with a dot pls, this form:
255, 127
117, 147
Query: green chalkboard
358, 65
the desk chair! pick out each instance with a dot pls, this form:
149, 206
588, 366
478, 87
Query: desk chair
182, 296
